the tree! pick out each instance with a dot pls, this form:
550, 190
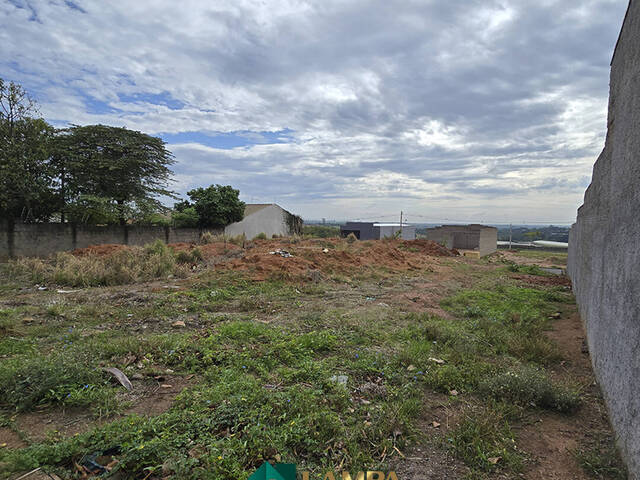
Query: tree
216, 205
123, 167
184, 215
26, 177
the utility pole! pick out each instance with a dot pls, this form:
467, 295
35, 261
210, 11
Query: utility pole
400, 223
509, 236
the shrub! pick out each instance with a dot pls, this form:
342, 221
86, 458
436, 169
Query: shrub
351, 238
483, 437
128, 265
25, 383
260, 236
530, 386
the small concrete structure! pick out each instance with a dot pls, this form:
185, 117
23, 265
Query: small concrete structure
377, 231
267, 218
475, 238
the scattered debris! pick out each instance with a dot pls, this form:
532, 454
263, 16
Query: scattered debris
282, 253
42, 288
382, 304
494, 460
178, 324
67, 291
436, 360
98, 463
411, 368
340, 379
435, 424
325, 250
122, 378
35, 470
453, 393
166, 386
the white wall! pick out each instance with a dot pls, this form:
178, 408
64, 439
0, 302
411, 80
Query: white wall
269, 220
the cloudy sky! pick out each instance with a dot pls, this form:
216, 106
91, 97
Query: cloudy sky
468, 110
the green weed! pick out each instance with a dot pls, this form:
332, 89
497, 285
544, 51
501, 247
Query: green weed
529, 386
484, 440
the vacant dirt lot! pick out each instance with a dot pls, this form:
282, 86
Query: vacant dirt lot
387, 355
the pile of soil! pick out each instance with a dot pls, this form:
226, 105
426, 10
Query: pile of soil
292, 258
335, 256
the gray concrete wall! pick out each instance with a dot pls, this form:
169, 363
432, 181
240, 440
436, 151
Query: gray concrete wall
365, 229
43, 239
466, 237
604, 249
488, 241
388, 231
271, 220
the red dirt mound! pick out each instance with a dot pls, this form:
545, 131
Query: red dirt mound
335, 256
291, 258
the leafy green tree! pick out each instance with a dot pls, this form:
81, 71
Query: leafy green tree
216, 205
184, 215
25, 171
123, 167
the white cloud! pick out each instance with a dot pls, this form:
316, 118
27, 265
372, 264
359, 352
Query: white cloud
451, 105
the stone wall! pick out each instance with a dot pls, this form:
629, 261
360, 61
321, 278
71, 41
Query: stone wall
604, 249
43, 239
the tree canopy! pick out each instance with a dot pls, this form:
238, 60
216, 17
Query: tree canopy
25, 170
215, 205
122, 167
94, 174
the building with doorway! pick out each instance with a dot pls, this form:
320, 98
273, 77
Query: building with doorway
475, 237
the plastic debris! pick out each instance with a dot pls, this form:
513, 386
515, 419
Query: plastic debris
122, 378
339, 379
98, 463
67, 291
282, 253
178, 324
436, 360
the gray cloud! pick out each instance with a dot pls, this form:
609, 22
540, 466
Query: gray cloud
445, 108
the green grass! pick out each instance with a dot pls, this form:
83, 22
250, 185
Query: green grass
557, 258
485, 441
600, 459
263, 355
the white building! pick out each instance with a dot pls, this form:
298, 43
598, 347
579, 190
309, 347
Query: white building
267, 218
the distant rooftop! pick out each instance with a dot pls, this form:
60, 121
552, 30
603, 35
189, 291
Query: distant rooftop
390, 225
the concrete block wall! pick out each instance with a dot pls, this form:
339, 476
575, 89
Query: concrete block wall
488, 242
466, 237
43, 239
604, 249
